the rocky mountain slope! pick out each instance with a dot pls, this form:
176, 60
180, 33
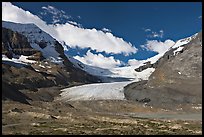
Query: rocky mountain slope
177, 79
32, 59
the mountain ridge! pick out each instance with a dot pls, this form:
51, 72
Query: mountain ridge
176, 80
32, 59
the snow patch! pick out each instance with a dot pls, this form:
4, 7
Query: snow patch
178, 50
155, 58
37, 70
24, 59
41, 66
184, 41
5, 58
21, 60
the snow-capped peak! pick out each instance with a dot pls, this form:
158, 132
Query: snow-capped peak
35, 36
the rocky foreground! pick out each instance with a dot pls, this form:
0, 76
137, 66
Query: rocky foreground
94, 117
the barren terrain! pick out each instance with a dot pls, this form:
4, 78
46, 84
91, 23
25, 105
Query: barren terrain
118, 117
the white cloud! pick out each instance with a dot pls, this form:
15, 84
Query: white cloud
106, 30
161, 33
158, 46
146, 30
144, 47
154, 34
94, 39
70, 34
15, 14
57, 15
200, 17
75, 23
98, 60
134, 62
55, 21
54, 11
153, 45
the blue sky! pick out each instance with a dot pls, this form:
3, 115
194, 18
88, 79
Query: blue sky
135, 22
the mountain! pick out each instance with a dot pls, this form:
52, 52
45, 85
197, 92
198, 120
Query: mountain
123, 75
176, 82
127, 73
32, 59
132, 72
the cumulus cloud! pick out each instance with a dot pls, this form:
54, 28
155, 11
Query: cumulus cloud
106, 30
56, 14
18, 15
146, 30
200, 17
154, 34
70, 34
75, 23
153, 45
98, 60
144, 47
134, 62
94, 39
158, 46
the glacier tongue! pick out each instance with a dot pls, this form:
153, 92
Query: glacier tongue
102, 91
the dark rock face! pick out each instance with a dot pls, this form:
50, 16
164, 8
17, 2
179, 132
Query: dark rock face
25, 78
176, 80
42, 44
15, 43
76, 73
9, 92
147, 65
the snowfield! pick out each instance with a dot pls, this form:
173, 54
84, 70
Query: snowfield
101, 91
21, 60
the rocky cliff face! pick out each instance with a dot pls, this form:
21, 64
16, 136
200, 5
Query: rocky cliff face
147, 65
177, 79
14, 43
32, 59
